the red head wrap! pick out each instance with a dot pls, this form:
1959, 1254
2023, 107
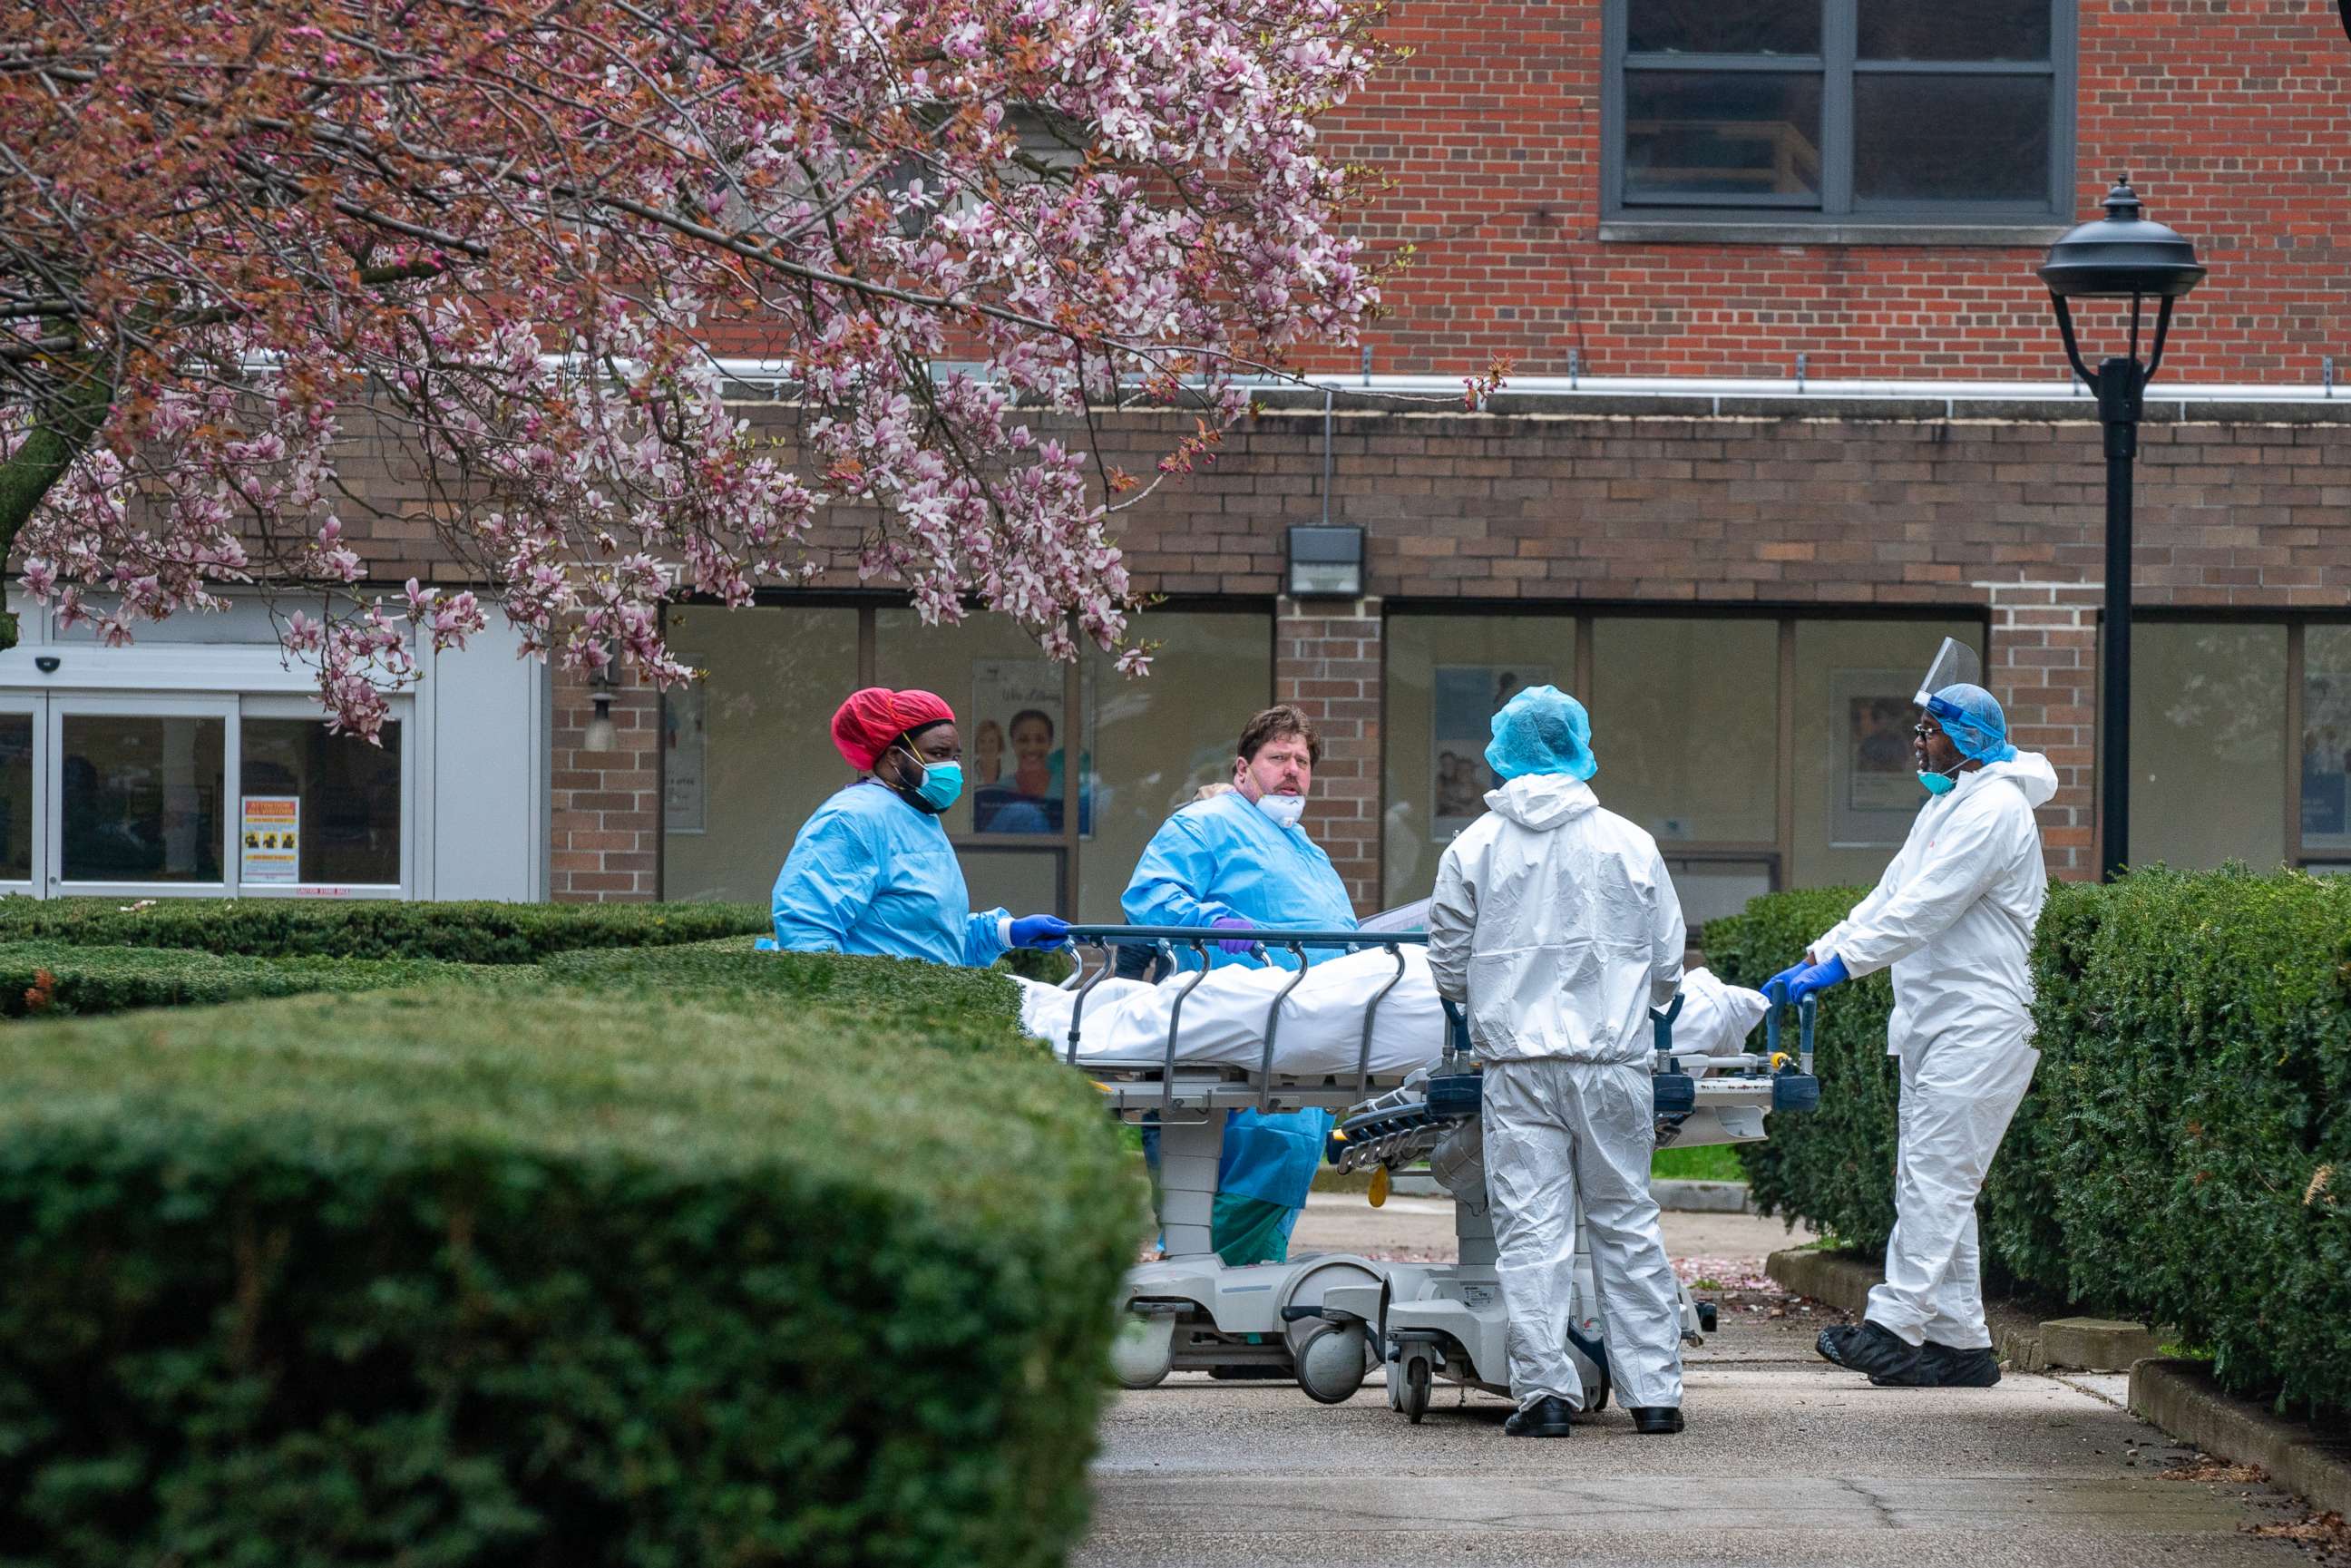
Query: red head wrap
871, 719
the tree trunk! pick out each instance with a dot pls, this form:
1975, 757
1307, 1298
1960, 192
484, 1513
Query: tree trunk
59, 438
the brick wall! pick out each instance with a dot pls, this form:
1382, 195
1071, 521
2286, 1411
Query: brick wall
604, 819
1326, 659
2231, 120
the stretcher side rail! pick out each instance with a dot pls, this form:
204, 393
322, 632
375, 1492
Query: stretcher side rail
1102, 938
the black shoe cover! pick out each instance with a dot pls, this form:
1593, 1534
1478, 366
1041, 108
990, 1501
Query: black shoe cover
1657, 1420
1944, 1366
1874, 1351
1546, 1418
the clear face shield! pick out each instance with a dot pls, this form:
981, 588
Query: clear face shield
1955, 665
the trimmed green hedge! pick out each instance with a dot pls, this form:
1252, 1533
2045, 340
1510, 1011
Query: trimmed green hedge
950, 1004
2184, 1154
559, 1276
47, 977
479, 933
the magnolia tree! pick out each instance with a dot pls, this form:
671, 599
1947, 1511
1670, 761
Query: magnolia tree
238, 238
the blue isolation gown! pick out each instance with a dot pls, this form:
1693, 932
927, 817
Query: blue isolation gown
1224, 859
870, 874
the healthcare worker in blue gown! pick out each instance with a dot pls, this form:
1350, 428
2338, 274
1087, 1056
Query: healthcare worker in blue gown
1242, 858
871, 871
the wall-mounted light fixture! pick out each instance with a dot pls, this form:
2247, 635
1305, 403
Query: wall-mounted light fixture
601, 736
1326, 561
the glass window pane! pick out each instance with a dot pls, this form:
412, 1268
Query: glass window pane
1157, 740
141, 798
747, 750
1708, 890
1722, 133
1856, 785
1954, 30
2327, 739
2208, 744
1686, 723
16, 824
1445, 676
1950, 138
347, 827
1714, 28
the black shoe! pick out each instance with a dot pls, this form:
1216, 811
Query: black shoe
1872, 1349
1944, 1366
1657, 1420
1546, 1418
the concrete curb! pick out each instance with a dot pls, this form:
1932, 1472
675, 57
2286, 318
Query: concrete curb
1843, 1281
1702, 1196
2181, 1398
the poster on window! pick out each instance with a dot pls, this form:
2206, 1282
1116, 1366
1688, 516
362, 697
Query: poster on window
269, 839
1015, 751
683, 796
1875, 791
1464, 700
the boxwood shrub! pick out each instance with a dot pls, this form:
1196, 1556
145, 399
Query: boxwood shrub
2185, 1152
576, 1274
48, 978
476, 933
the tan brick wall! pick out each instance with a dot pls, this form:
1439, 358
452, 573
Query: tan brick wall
605, 815
1327, 660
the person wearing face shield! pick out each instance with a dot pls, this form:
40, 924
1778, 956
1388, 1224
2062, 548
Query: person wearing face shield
1236, 859
1555, 923
871, 871
1953, 918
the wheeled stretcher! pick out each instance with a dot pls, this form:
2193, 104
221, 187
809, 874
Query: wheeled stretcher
1325, 1319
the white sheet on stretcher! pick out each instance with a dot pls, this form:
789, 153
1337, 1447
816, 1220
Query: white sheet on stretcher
1322, 1026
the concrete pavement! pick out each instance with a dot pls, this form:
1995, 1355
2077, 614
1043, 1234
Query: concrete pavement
1788, 1461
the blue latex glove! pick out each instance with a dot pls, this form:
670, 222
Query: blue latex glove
1818, 978
1776, 987
1229, 924
1041, 931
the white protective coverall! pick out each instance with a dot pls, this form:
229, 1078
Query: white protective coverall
1556, 922
1954, 916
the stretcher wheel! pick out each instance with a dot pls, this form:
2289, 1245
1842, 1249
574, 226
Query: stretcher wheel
1417, 1382
1144, 1352
1331, 1364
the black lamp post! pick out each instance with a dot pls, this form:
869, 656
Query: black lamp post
2122, 255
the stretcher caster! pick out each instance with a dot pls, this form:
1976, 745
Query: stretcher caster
1144, 1351
1413, 1398
1331, 1363
1707, 1316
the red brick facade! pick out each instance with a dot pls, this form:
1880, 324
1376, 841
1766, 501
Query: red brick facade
2231, 119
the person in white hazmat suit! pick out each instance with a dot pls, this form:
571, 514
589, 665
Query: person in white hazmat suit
1953, 916
1556, 924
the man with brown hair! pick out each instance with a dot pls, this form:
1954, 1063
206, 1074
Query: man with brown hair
1238, 861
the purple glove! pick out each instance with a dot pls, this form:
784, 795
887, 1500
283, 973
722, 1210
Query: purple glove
1230, 923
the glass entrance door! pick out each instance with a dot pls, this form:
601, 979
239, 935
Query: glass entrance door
141, 793
23, 794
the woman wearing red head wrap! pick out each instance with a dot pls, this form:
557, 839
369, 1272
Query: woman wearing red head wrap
873, 871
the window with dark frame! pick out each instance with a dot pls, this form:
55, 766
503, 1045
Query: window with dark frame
1895, 110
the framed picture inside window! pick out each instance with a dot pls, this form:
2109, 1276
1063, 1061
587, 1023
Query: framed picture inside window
1464, 698
1017, 747
1874, 790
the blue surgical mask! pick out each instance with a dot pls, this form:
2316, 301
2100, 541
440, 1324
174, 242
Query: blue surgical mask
937, 785
1941, 783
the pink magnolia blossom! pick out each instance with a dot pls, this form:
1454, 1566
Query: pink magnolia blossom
498, 244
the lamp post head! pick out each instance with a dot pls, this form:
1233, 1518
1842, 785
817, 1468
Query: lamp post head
2122, 254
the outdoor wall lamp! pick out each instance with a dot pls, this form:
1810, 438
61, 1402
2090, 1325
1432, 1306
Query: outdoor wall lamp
1326, 561
2123, 256
601, 736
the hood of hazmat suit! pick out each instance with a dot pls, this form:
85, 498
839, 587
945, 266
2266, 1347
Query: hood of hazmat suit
1557, 923
1953, 918
870, 874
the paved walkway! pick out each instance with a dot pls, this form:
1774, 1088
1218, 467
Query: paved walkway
1787, 1460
